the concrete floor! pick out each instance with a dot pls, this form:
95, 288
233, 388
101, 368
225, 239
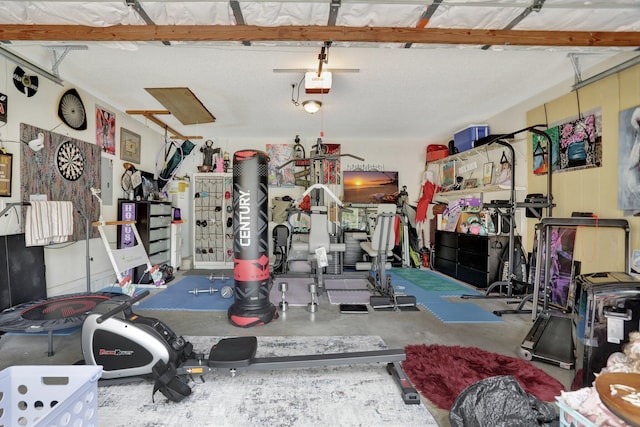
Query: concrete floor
398, 329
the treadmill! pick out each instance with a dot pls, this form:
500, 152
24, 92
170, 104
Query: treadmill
551, 339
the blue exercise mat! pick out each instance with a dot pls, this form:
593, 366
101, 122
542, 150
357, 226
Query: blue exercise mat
177, 297
460, 312
432, 290
430, 281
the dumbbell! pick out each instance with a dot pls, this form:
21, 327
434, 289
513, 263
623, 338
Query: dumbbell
312, 306
197, 291
225, 291
283, 286
221, 277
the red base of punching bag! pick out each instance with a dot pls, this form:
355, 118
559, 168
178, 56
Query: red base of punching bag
247, 318
252, 306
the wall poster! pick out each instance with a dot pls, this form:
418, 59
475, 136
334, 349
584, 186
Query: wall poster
6, 160
561, 247
449, 173
576, 144
629, 159
279, 154
106, 130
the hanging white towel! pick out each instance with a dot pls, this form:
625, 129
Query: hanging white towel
48, 222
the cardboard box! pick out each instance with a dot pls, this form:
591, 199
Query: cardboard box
465, 139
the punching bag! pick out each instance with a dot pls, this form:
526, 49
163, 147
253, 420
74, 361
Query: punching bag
250, 241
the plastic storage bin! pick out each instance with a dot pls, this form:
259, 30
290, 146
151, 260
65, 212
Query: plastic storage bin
49, 396
465, 139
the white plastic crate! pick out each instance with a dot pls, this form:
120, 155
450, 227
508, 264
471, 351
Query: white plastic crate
49, 396
570, 417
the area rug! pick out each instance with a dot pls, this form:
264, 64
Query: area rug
177, 296
440, 373
356, 395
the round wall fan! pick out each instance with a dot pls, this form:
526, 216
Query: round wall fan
71, 110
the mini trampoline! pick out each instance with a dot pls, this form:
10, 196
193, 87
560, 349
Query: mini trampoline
53, 314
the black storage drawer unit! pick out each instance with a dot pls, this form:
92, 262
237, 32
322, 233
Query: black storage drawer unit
153, 221
468, 257
447, 267
477, 260
607, 310
448, 254
445, 238
471, 242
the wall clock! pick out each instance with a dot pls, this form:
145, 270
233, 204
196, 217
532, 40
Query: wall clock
69, 161
71, 110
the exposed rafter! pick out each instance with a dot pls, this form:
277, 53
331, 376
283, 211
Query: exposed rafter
319, 33
426, 16
333, 12
239, 17
144, 15
536, 6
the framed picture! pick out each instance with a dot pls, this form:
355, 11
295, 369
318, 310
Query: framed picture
469, 183
129, 146
487, 173
5, 174
105, 130
449, 173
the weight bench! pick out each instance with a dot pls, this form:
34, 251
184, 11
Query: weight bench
379, 248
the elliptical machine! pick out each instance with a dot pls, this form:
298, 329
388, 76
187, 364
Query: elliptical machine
128, 345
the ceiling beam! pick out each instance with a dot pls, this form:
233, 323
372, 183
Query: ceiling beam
319, 33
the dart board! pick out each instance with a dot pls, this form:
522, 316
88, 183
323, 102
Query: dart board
69, 161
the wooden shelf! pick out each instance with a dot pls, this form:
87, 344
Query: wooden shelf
477, 190
465, 155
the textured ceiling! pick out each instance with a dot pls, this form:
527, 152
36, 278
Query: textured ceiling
423, 91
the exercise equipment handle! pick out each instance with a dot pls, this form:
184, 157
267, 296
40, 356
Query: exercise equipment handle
121, 307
